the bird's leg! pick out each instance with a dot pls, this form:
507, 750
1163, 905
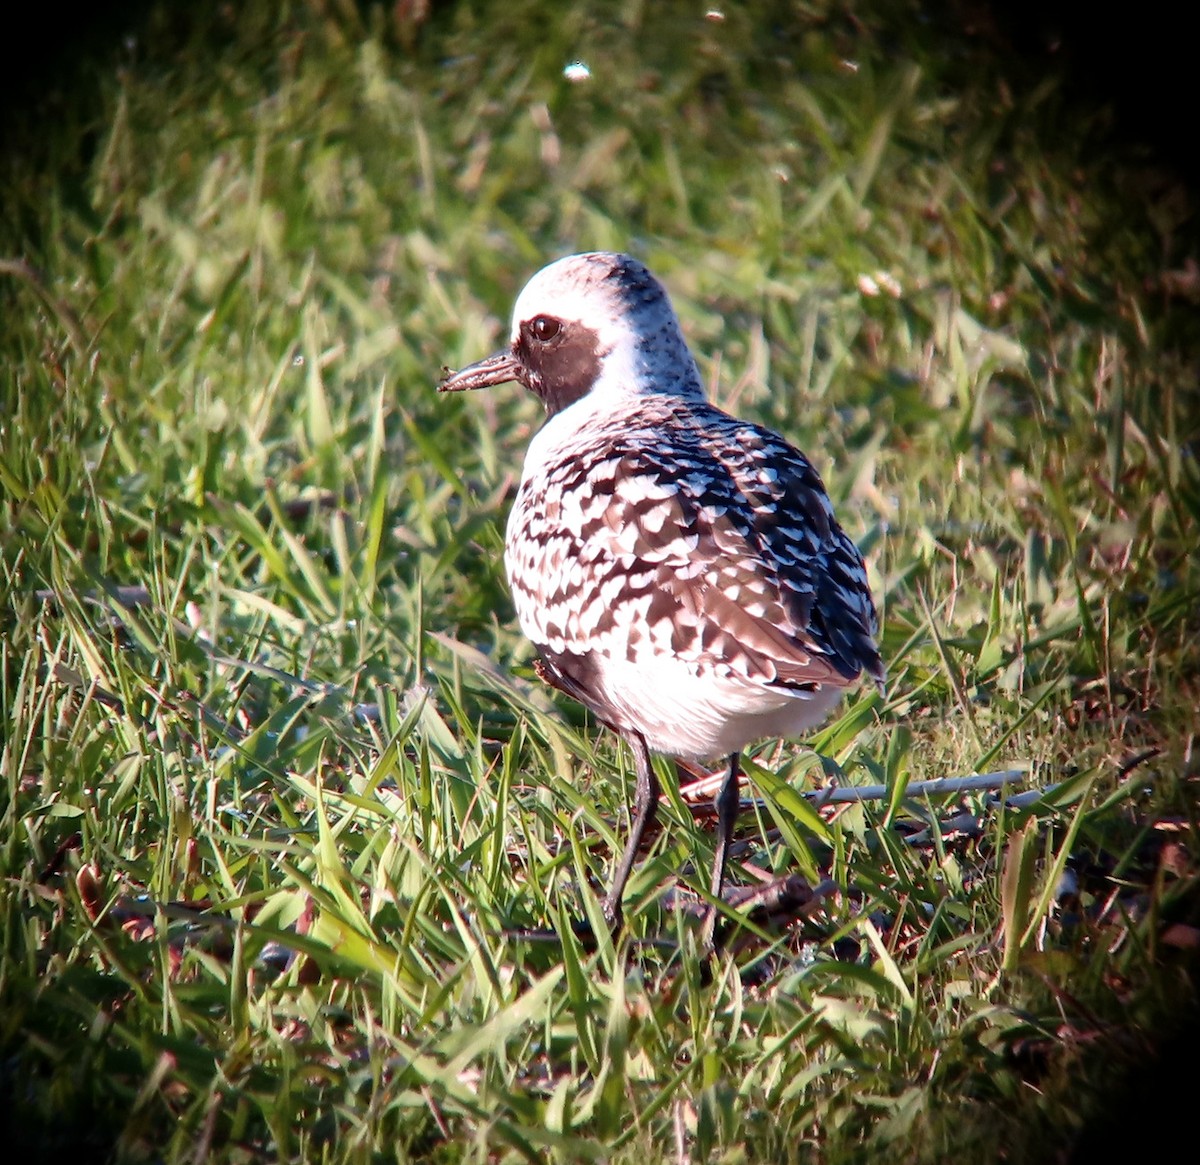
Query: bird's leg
645, 807
727, 800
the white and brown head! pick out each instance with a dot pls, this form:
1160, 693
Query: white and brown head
597, 324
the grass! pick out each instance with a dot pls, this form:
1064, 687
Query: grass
277, 777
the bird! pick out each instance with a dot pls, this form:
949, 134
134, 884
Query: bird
679, 571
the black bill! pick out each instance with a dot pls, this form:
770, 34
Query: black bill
497, 369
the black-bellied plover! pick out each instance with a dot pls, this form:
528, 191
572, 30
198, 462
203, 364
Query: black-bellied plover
681, 572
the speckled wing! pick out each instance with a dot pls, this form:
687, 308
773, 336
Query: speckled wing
693, 535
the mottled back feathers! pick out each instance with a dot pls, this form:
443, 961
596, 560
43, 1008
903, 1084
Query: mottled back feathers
680, 571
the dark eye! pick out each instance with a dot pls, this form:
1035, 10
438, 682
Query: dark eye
544, 328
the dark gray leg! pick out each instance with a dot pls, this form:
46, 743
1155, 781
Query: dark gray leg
645, 807
727, 801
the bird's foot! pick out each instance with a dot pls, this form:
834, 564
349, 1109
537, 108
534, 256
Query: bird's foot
768, 905
581, 928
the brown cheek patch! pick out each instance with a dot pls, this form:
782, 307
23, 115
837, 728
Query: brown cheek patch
565, 370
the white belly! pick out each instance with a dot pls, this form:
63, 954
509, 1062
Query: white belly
704, 716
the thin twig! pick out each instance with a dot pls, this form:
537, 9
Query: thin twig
938, 787
706, 786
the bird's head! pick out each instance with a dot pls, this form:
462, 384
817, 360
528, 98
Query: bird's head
596, 323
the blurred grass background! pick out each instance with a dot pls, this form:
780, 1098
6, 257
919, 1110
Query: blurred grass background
276, 774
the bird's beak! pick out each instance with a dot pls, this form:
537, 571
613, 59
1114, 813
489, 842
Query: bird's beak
498, 369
